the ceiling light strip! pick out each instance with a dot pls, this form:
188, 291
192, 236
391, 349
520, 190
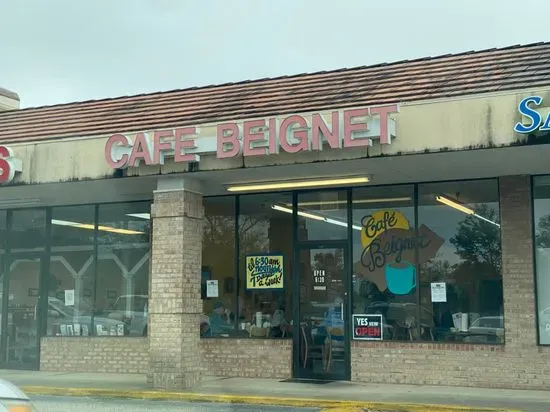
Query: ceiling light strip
297, 184
92, 227
315, 217
463, 209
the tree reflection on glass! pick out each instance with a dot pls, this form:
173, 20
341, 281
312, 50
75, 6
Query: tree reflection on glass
477, 242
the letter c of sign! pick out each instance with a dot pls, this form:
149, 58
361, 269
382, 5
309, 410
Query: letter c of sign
116, 151
8, 165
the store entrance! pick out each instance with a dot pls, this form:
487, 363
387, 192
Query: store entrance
322, 344
20, 337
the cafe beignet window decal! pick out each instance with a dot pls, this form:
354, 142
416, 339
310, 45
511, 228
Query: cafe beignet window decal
264, 272
389, 250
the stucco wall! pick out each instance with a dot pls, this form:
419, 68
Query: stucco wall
449, 124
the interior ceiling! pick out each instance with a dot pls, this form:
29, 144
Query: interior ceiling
383, 170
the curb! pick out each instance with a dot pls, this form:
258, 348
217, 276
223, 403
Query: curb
325, 405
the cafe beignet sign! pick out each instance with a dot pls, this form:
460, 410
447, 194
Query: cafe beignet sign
260, 137
390, 249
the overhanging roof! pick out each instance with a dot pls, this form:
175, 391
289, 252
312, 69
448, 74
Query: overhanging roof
494, 70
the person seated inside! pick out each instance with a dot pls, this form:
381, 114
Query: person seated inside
279, 325
220, 322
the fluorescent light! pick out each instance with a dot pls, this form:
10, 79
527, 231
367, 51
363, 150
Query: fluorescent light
487, 220
358, 201
146, 216
92, 227
300, 213
297, 184
463, 209
454, 205
315, 217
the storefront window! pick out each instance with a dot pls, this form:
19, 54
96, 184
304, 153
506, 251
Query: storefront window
122, 282
218, 277
3, 237
436, 277
460, 268
322, 215
72, 272
265, 270
23, 267
384, 259
541, 193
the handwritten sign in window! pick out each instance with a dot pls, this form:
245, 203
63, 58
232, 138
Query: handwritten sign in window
264, 272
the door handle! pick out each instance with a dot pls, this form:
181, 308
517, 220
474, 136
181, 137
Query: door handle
342, 310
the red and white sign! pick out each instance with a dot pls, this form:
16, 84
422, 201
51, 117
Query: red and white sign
291, 134
9, 165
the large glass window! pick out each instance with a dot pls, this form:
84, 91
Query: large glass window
218, 277
322, 215
254, 298
541, 193
460, 267
3, 237
23, 268
384, 258
122, 282
95, 277
265, 271
72, 272
426, 259
432, 272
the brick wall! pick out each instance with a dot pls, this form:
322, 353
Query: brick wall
94, 354
520, 363
175, 298
247, 358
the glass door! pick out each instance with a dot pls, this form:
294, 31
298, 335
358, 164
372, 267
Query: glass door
322, 343
22, 266
22, 326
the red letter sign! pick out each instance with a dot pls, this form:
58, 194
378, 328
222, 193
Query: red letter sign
9, 165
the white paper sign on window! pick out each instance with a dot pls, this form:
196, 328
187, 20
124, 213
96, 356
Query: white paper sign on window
212, 290
439, 292
69, 297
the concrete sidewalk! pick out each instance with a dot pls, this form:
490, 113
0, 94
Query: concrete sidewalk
275, 392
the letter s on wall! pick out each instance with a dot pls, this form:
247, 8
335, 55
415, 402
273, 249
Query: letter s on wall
8, 165
533, 115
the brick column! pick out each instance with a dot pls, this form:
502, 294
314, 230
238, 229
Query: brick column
175, 297
517, 262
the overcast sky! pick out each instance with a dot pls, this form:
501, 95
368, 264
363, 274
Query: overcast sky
57, 51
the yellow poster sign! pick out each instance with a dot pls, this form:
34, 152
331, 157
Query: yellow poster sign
264, 272
379, 222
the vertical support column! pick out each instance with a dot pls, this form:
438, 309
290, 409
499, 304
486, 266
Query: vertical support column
517, 262
175, 296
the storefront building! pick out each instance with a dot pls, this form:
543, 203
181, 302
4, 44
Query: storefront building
380, 224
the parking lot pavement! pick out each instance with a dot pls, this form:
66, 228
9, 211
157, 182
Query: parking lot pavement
71, 404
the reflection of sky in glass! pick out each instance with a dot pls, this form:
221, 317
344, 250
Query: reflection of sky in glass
324, 230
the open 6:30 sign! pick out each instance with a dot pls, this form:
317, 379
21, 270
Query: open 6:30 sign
9, 165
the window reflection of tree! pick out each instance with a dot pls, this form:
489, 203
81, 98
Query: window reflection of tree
469, 282
542, 235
